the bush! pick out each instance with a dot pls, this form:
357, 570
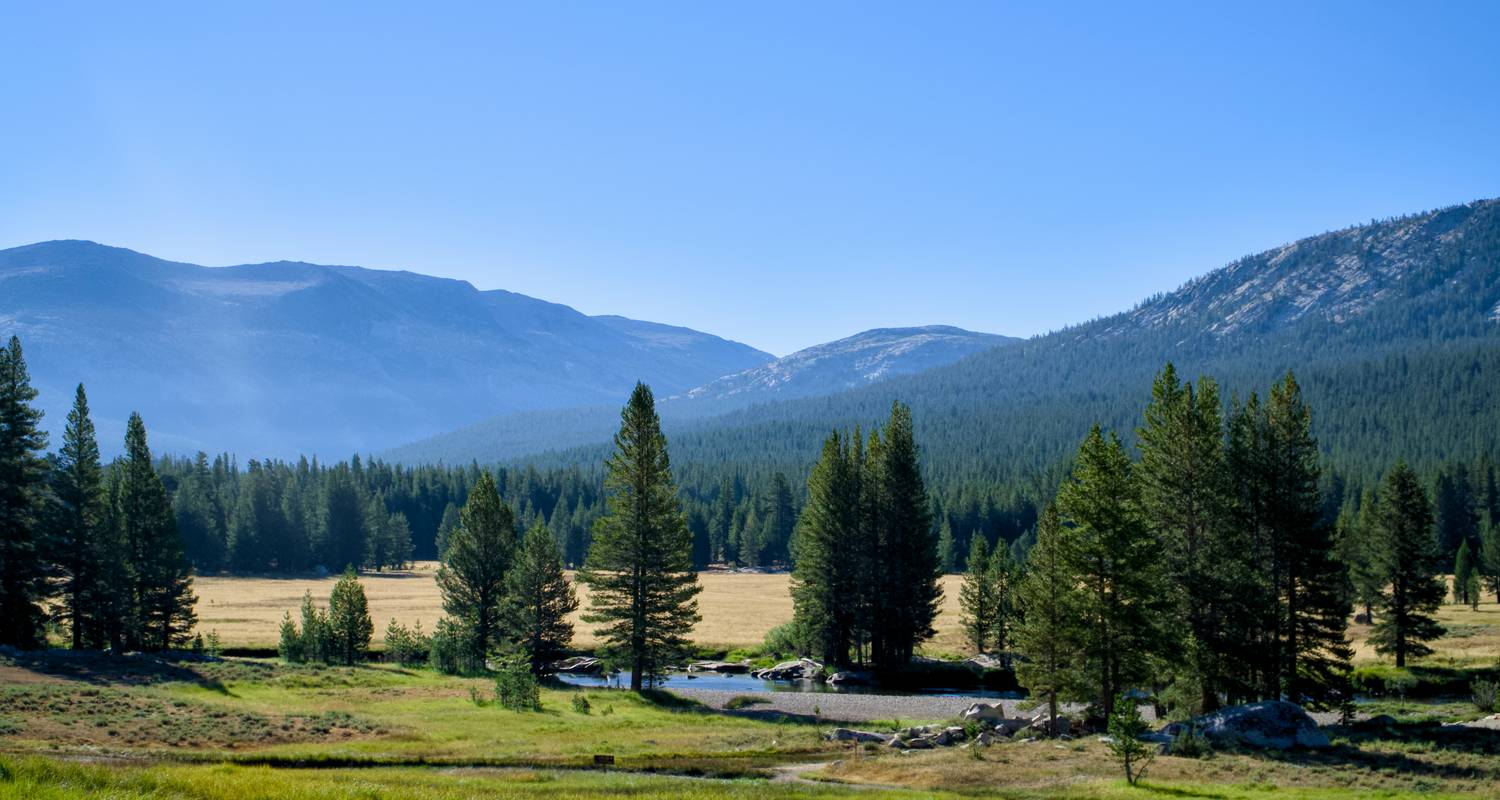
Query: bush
787, 639
290, 648
581, 703
515, 687
1190, 743
1484, 694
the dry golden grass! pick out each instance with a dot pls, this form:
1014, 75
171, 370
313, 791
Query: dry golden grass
738, 609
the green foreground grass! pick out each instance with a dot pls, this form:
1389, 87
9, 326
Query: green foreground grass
73, 727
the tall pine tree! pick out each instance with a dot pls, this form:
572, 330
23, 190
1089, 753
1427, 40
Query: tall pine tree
1051, 633
1120, 566
640, 567
1407, 557
163, 593
79, 543
472, 577
24, 573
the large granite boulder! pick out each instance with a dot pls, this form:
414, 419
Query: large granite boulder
1271, 725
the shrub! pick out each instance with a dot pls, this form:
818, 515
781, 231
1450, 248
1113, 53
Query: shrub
581, 703
744, 701
787, 639
1190, 743
215, 645
446, 648
1484, 693
516, 688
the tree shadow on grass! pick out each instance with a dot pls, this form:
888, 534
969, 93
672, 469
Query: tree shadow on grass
1422, 737
100, 669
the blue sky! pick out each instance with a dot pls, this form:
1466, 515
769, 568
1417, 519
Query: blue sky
778, 174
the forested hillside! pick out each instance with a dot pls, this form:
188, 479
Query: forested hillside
1393, 329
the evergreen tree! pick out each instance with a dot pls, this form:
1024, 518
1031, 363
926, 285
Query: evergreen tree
1049, 636
1119, 564
1296, 616
1407, 556
639, 569
445, 529
24, 573
349, 623
539, 600
289, 647
948, 549
343, 521
1355, 531
907, 591
317, 644
1186, 499
826, 571
1005, 574
472, 579
78, 489
1489, 559
1463, 573
200, 518
163, 592
976, 598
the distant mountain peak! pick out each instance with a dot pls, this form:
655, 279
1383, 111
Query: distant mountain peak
847, 363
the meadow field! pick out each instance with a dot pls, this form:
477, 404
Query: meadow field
738, 609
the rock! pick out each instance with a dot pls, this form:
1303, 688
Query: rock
982, 711
956, 732
1377, 722
801, 669
849, 735
1271, 725
921, 743
578, 665
1042, 725
985, 661
852, 678
723, 667
897, 742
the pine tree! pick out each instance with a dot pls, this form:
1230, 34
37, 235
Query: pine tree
446, 527
539, 600
163, 591
907, 590
316, 638
1463, 573
1407, 556
472, 579
289, 647
639, 569
824, 580
349, 623
1354, 533
1004, 575
199, 518
1119, 564
78, 489
1187, 501
1489, 559
24, 572
1049, 636
948, 549
976, 598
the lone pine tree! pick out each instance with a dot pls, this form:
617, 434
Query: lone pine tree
640, 568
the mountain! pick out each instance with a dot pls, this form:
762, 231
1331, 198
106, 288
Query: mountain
858, 360
824, 369
1393, 329
288, 357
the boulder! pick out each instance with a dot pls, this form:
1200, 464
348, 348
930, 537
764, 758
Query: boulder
852, 678
1042, 725
1271, 725
801, 669
985, 661
578, 665
849, 735
982, 711
723, 667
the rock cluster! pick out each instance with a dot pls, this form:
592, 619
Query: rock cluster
1271, 725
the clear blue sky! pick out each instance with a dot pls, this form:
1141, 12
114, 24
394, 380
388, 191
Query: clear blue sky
778, 174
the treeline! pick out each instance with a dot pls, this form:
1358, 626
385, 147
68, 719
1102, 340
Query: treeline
94, 550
